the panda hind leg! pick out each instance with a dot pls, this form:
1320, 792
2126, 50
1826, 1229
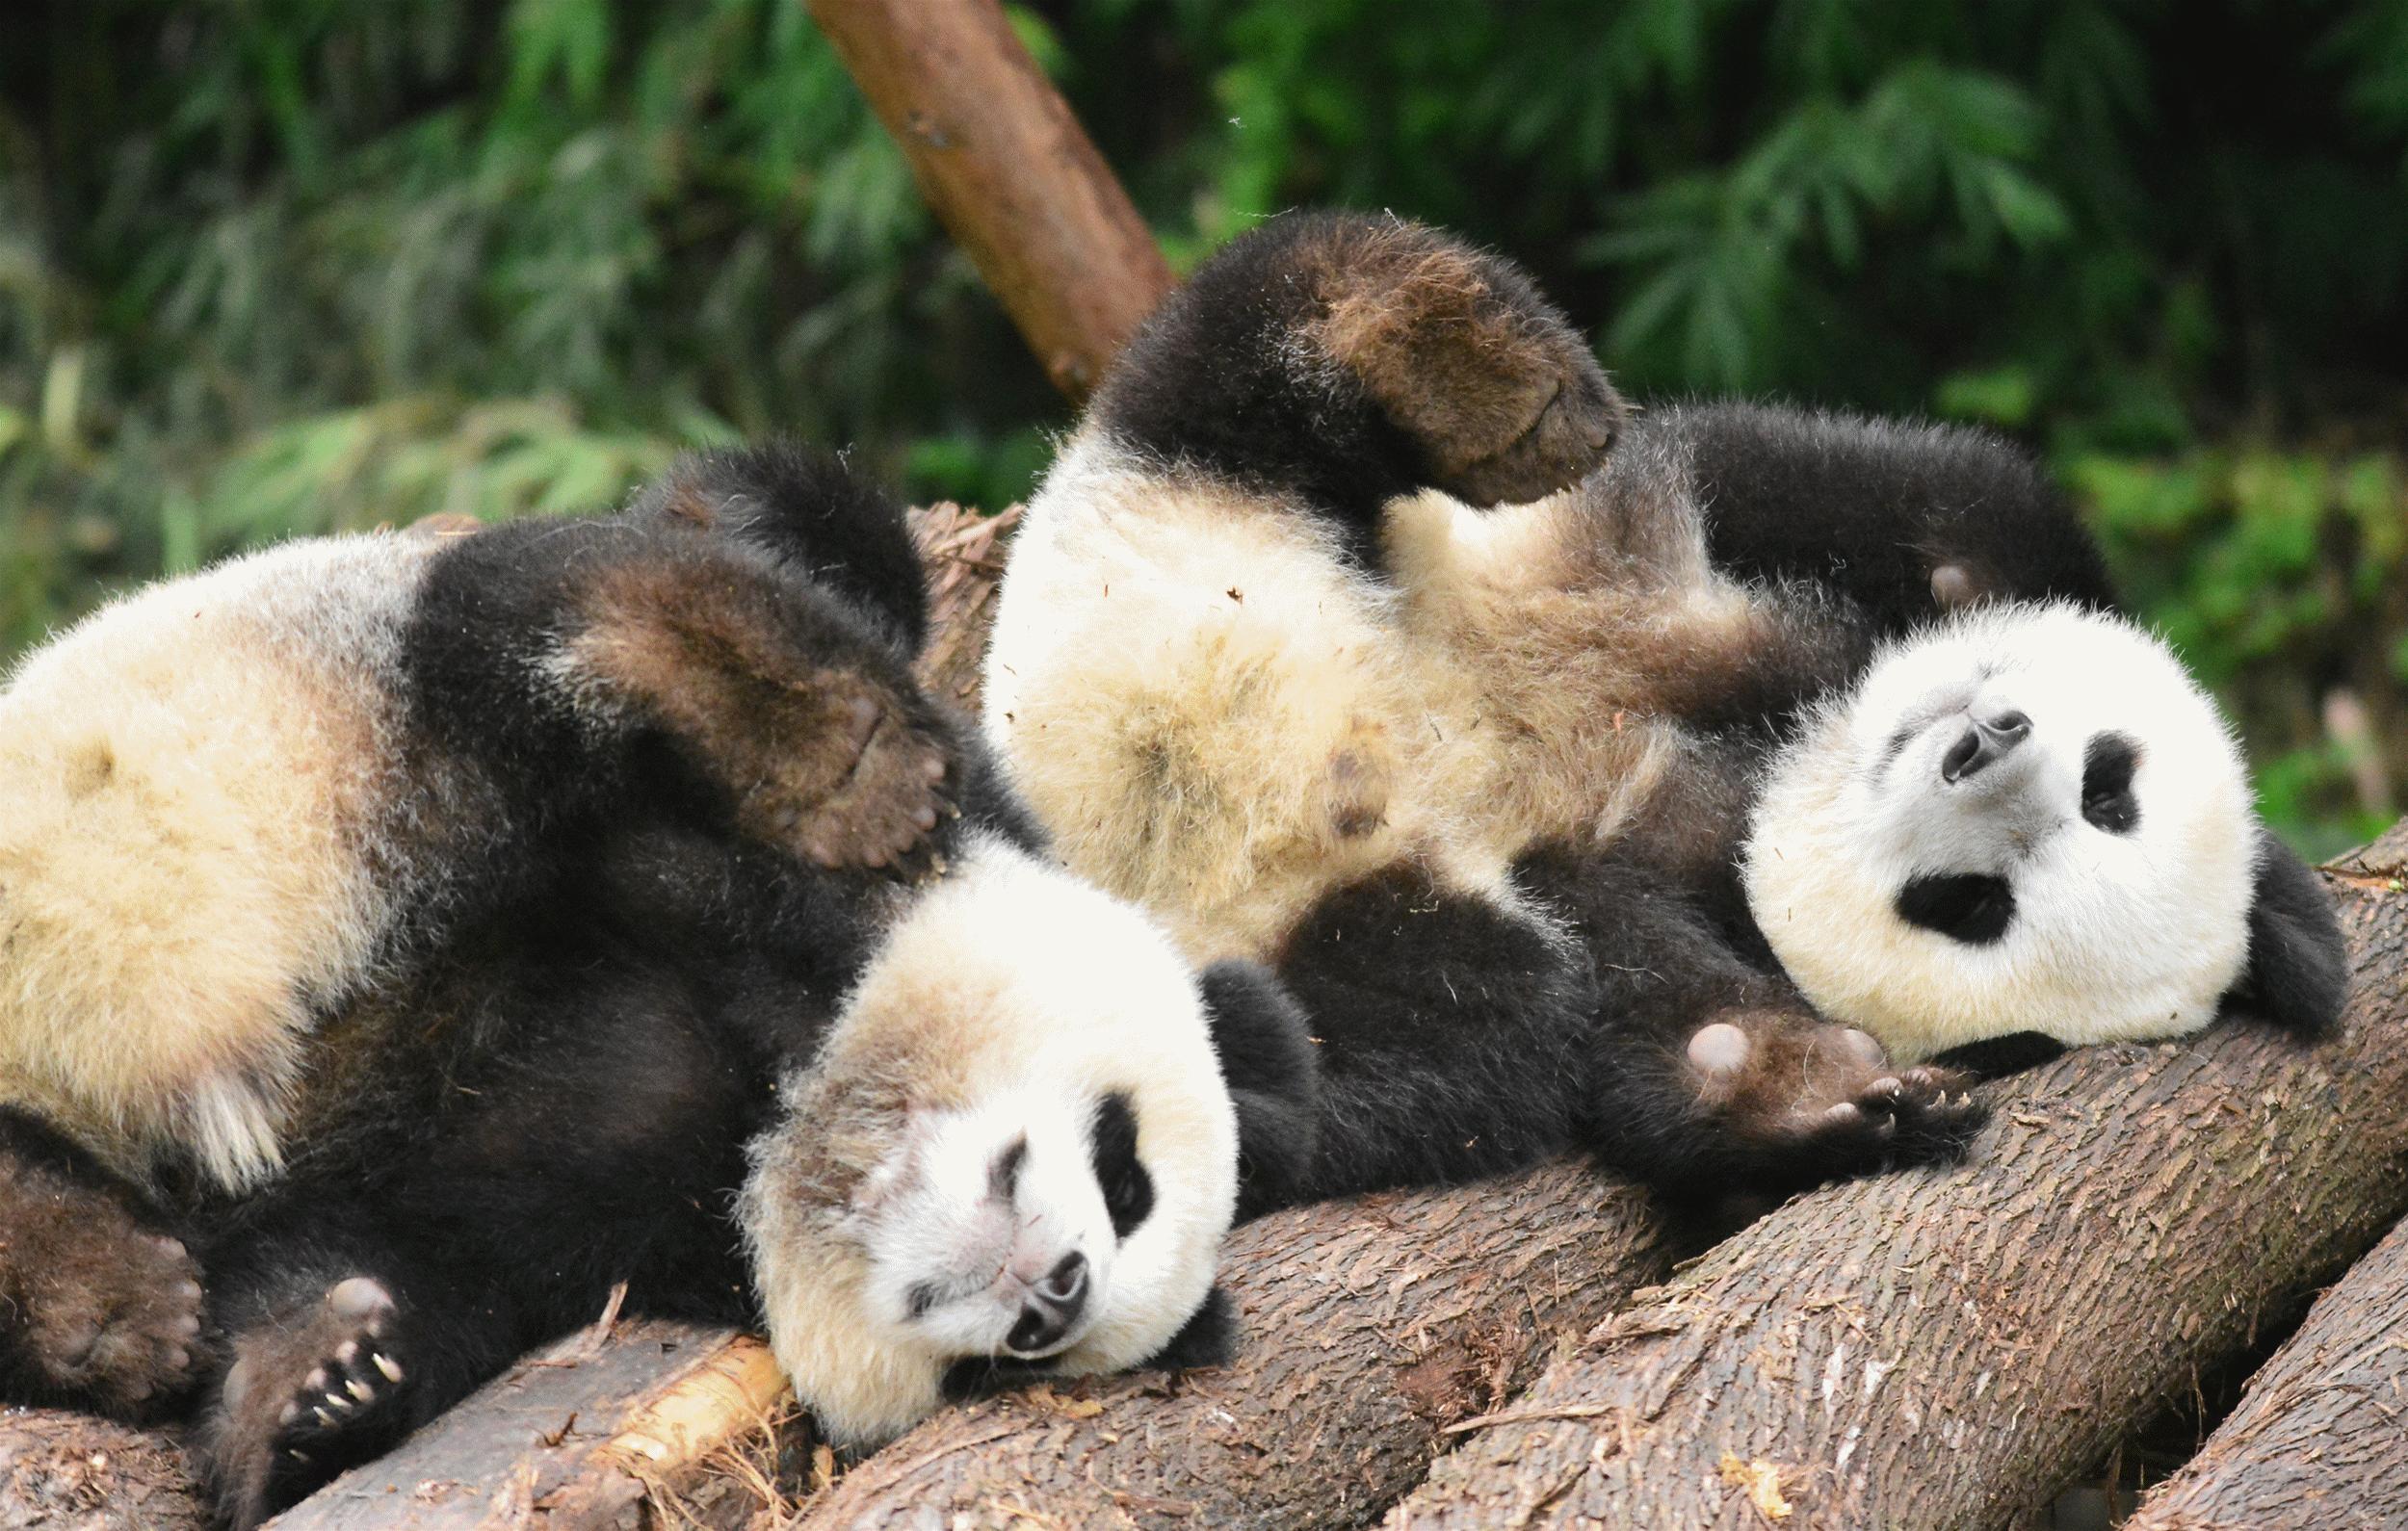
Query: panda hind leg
100, 1307
1462, 351
316, 1386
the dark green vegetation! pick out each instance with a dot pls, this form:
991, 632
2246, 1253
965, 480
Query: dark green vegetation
274, 265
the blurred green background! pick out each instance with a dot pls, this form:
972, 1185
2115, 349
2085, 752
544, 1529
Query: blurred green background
271, 266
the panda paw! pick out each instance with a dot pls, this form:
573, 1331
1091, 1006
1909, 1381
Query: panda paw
868, 792
1462, 352
108, 1313
1820, 1102
309, 1393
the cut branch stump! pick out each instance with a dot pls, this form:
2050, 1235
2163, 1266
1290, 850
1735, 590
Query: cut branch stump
1941, 1349
2316, 1443
1009, 172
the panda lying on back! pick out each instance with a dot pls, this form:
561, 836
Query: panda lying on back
432, 934
1474, 782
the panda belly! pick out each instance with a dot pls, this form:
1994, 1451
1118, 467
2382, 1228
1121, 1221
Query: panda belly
199, 778
1214, 715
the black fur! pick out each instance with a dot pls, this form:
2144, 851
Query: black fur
1973, 907
1872, 508
1998, 1056
1267, 1059
2298, 971
1215, 382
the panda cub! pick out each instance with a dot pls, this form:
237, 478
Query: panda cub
2027, 823
1360, 631
417, 932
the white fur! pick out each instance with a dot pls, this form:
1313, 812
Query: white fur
1217, 716
1007, 1000
2115, 937
193, 775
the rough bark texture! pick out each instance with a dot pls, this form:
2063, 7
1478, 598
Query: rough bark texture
1009, 172
1369, 1327
1941, 1349
71, 1472
581, 1435
2315, 1442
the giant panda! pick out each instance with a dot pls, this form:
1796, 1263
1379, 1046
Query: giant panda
1361, 631
2026, 826
414, 935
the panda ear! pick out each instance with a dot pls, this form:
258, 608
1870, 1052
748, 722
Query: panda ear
2298, 967
1273, 1076
1209, 1339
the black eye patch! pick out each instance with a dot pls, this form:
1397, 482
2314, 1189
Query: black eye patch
1112, 1149
1002, 1176
1975, 908
2108, 764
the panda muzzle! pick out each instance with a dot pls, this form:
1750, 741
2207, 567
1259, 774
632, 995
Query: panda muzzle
1983, 743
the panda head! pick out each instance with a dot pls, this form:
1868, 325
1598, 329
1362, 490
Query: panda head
1014, 1156
2030, 820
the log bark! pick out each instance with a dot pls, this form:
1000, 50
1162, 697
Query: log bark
1009, 172
1941, 1349
66, 1471
581, 1435
2314, 1444
1369, 1328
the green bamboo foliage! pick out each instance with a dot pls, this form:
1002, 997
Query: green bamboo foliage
272, 267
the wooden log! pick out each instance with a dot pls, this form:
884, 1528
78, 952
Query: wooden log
66, 1471
581, 1435
2314, 1444
1941, 1349
1369, 1327
1009, 172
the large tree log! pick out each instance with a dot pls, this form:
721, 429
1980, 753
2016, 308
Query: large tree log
66, 1471
1941, 1349
1369, 1328
2314, 1444
1009, 172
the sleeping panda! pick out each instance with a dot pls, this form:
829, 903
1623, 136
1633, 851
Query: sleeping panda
418, 930
1357, 630
2025, 826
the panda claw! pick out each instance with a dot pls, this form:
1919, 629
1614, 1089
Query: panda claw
386, 1364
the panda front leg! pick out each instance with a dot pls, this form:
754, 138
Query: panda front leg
1451, 1030
553, 656
100, 1300
1714, 1081
1349, 359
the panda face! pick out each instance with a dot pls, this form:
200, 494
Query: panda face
1014, 1152
2027, 819
994, 1232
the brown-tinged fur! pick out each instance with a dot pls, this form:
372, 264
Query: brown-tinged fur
826, 762
1498, 392
107, 1305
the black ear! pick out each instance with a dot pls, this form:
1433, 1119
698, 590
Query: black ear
1210, 1339
1273, 1076
2298, 967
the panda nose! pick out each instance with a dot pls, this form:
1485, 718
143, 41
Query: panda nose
1054, 1305
1986, 740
